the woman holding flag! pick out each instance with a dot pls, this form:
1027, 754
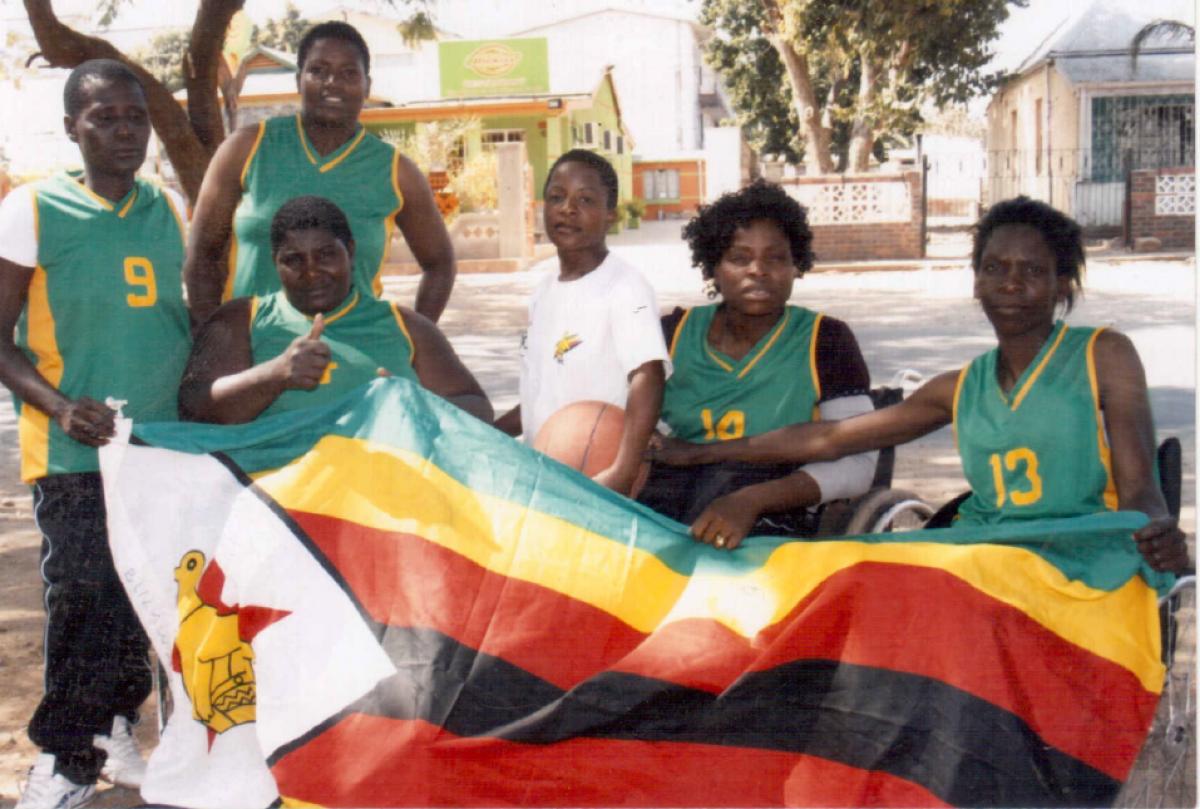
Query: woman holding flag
1053, 422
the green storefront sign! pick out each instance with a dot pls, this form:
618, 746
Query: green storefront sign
493, 67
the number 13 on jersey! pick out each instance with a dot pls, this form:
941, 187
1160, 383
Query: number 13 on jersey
1026, 492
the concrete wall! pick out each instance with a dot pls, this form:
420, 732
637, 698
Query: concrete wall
862, 217
1163, 206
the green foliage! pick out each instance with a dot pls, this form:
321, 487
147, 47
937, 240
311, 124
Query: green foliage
417, 28
282, 33
634, 208
754, 76
163, 57
917, 51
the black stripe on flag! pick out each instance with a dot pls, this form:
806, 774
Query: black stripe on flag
961, 748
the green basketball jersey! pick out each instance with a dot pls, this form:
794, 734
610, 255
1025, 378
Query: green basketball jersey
711, 397
105, 313
359, 177
1039, 450
364, 334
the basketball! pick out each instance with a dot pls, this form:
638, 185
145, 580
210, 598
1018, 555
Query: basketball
585, 436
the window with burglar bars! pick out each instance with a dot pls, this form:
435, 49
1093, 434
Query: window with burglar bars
1147, 131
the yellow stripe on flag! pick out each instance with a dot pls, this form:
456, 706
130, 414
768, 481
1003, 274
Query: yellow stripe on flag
357, 481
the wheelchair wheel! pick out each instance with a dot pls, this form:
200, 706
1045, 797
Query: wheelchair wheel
886, 510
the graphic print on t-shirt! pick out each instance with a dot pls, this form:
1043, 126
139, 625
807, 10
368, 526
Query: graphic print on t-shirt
565, 343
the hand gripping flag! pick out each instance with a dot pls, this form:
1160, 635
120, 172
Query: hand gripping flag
384, 602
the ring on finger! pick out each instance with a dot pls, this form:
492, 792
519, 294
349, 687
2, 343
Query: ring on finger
720, 541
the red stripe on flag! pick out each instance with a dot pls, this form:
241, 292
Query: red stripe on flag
404, 580
373, 761
971, 641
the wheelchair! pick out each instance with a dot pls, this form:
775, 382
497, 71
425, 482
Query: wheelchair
882, 508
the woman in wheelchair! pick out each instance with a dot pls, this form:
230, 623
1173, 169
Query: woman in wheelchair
750, 364
1053, 422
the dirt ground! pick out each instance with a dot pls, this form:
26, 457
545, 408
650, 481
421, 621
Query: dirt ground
910, 324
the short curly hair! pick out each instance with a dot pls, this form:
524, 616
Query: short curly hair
1061, 233
711, 232
334, 29
309, 213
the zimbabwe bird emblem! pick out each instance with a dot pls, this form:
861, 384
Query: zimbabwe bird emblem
215, 663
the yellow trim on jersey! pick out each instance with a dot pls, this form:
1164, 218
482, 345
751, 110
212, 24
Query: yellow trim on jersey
787, 313
254, 300
125, 208
315, 160
412, 346
340, 313
178, 218
724, 366
679, 331
92, 195
812, 356
389, 226
262, 130
1110, 486
34, 428
958, 386
231, 270
1020, 397
396, 182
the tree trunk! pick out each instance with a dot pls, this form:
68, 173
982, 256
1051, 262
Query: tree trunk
201, 71
817, 156
862, 130
189, 143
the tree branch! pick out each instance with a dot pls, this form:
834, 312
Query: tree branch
62, 46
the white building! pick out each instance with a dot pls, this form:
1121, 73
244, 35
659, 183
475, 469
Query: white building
668, 94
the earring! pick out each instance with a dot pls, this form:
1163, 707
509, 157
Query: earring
711, 290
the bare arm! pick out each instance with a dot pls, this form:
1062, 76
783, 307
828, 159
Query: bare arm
83, 419
425, 232
929, 408
1127, 421
642, 407
221, 384
510, 422
441, 371
205, 269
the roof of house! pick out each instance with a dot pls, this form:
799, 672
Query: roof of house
661, 13
1094, 45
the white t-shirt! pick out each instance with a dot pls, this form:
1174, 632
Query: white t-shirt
18, 224
584, 339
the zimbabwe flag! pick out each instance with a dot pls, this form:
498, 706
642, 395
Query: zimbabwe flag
409, 609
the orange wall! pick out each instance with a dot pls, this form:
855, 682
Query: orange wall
691, 186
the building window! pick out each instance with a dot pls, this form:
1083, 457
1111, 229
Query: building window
1012, 129
1141, 132
608, 144
589, 134
661, 184
620, 144
490, 137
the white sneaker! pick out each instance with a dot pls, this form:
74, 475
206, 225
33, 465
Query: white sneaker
46, 789
124, 765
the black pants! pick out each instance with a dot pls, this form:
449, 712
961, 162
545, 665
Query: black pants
683, 492
96, 652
